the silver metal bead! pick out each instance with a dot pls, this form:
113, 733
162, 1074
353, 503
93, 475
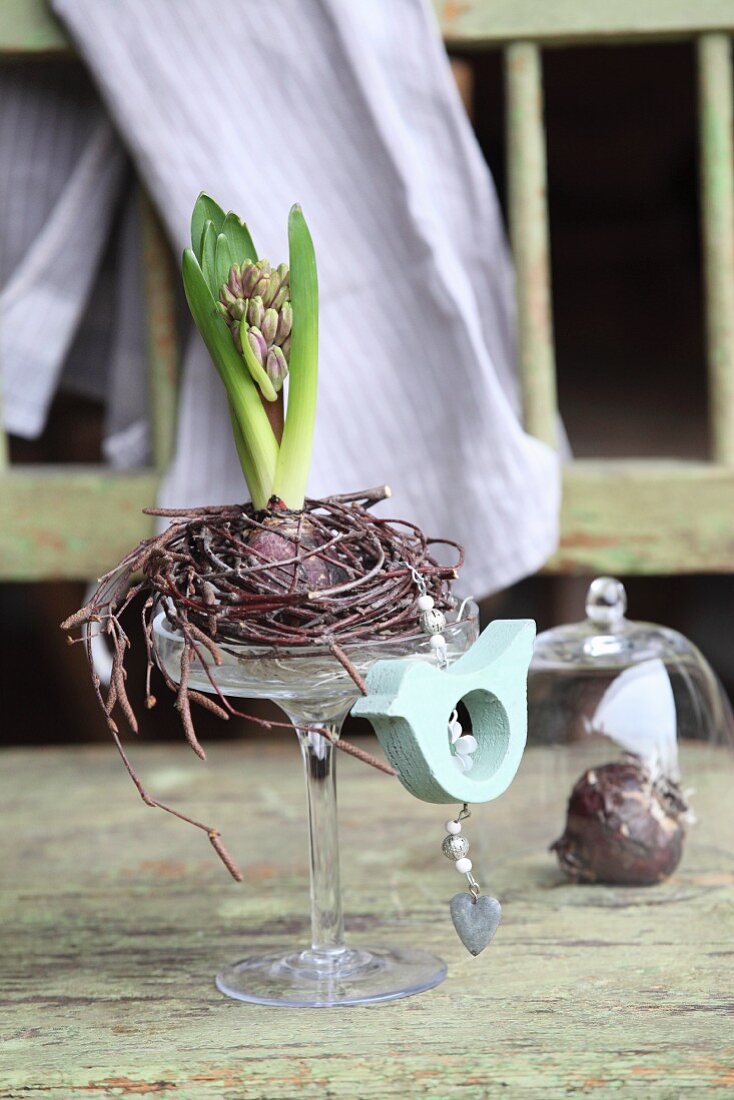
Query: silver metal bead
433, 621
455, 847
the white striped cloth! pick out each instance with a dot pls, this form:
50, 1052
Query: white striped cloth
350, 109
61, 169
62, 174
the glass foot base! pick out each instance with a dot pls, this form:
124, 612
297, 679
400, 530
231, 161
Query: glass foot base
308, 979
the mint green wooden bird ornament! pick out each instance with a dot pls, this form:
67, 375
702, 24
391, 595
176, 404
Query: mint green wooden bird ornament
410, 703
413, 705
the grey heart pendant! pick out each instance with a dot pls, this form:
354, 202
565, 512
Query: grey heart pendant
475, 921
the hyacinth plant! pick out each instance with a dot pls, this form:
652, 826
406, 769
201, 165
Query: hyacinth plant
260, 325
283, 570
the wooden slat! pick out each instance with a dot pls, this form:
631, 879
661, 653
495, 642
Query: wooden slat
161, 335
618, 517
717, 209
650, 517
528, 215
28, 27
481, 23
70, 522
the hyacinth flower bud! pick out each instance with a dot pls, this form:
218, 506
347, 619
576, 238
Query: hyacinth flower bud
269, 325
281, 297
276, 368
286, 348
250, 275
285, 323
238, 309
272, 290
234, 328
257, 343
226, 297
260, 288
255, 312
235, 282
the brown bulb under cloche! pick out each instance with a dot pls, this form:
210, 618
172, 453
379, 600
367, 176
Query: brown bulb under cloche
622, 826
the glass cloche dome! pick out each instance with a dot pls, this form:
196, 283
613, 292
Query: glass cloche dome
641, 735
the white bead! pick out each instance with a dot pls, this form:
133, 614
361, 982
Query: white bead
467, 744
455, 731
464, 865
425, 603
453, 827
438, 641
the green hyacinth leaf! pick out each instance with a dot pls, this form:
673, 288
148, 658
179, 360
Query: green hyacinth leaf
257, 372
239, 239
223, 260
243, 451
208, 258
205, 210
294, 458
257, 435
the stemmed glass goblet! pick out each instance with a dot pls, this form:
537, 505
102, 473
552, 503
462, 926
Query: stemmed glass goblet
316, 693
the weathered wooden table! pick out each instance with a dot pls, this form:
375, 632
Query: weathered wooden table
114, 919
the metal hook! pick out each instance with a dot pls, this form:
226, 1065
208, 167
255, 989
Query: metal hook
417, 579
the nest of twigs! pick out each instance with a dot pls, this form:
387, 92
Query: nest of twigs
329, 575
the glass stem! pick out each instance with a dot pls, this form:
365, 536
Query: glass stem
327, 921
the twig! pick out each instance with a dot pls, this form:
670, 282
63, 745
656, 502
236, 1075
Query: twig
215, 573
366, 496
364, 756
350, 667
182, 702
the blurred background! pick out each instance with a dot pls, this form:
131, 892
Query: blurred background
623, 193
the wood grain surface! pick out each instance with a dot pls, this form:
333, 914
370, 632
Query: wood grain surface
114, 918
